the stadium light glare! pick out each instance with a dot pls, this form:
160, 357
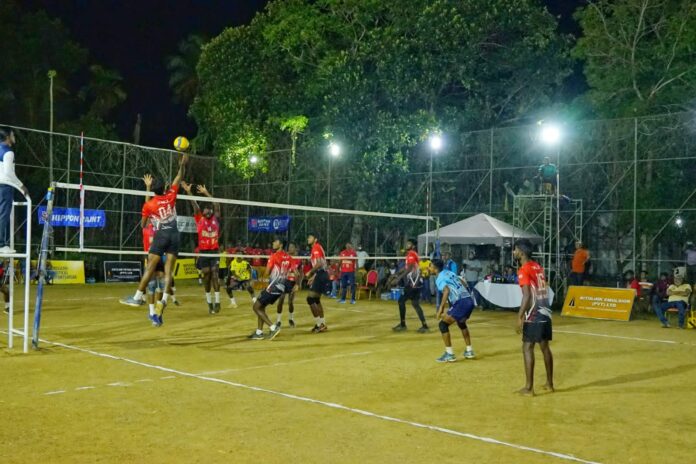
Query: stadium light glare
334, 149
550, 134
679, 221
254, 159
435, 142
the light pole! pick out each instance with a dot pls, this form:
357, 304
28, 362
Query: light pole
551, 136
435, 142
334, 152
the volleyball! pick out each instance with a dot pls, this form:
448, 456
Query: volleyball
181, 143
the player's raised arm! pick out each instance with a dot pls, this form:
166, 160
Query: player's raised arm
180, 173
147, 180
216, 206
194, 203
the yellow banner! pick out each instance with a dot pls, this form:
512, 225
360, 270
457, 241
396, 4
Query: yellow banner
63, 272
599, 303
185, 269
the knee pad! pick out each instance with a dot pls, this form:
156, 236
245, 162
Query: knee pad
444, 327
151, 285
160, 282
462, 325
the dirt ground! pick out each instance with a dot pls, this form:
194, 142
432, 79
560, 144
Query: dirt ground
106, 387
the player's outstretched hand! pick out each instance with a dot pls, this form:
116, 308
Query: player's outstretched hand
147, 180
186, 186
184, 159
203, 191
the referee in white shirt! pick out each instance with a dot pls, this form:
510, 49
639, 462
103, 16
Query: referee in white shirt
8, 182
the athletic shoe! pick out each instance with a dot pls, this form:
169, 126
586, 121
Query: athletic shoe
176, 302
6, 311
352, 301
278, 324
315, 329
253, 300
399, 328
130, 301
446, 358
423, 329
211, 308
341, 301
665, 325
469, 354
333, 297
155, 320
292, 323
159, 311
272, 334
233, 304
216, 308
256, 336
322, 328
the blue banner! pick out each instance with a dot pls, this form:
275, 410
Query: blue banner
269, 224
70, 217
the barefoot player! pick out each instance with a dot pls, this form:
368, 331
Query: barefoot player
534, 317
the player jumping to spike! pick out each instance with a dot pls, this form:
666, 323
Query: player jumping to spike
278, 268
208, 227
318, 282
161, 210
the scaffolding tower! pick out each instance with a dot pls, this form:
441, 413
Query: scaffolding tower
558, 221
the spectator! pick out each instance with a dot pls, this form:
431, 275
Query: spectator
8, 182
509, 275
334, 276
630, 281
547, 174
577, 267
425, 273
690, 258
362, 257
678, 297
347, 256
473, 268
659, 291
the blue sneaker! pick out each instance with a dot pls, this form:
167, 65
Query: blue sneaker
352, 301
341, 301
155, 320
469, 354
159, 311
130, 301
446, 358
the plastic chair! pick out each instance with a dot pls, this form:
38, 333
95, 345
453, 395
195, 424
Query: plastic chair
370, 284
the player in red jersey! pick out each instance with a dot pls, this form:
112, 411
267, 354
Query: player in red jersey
208, 227
318, 282
278, 269
349, 259
534, 316
292, 285
412, 289
161, 210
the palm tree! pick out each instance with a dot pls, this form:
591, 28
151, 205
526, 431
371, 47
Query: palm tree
183, 78
104, 89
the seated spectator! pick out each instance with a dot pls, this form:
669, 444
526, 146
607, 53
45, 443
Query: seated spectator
509, 275
645, 293
631, 281
678, 297
659, 291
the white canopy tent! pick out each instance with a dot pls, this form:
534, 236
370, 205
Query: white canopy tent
481, 229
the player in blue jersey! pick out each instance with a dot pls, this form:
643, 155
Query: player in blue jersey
455, 295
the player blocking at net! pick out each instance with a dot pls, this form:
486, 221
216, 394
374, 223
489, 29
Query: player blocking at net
278, 268
208, 228
161, 210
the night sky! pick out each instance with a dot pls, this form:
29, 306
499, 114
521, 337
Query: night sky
135, 37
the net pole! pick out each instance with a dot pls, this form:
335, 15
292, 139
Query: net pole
41, 266
10, 271
82, 191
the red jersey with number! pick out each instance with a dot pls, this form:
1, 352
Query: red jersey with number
148, 236
257, 261
162, 209
347, 264
208, 232
295, 264
532, 274
317, 256
279, 265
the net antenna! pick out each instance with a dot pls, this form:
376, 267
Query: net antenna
225, 201
44, 249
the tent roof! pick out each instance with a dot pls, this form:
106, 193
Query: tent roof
481, 229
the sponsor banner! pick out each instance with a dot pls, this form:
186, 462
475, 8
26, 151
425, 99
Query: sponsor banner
185, 269
599, 303
70, 217
186, 224
269, 224
63, 272
122, 271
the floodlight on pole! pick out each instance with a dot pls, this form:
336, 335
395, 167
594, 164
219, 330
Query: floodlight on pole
550, 134
435, 142
679, 222
334, 149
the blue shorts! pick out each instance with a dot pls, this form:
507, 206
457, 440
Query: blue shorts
462, 309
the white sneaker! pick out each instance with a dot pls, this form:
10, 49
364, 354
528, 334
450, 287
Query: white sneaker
233, 304
253, 300
6, 249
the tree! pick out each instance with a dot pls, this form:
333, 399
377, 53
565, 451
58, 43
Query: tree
638, 55
104, 91
183, 78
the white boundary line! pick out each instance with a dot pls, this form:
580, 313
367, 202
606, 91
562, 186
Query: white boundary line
362, 412
620, 337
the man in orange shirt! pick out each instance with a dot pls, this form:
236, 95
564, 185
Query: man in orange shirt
577, 267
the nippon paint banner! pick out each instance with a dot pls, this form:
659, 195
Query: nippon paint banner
269, 224
70, 217
186, 225
599, 303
